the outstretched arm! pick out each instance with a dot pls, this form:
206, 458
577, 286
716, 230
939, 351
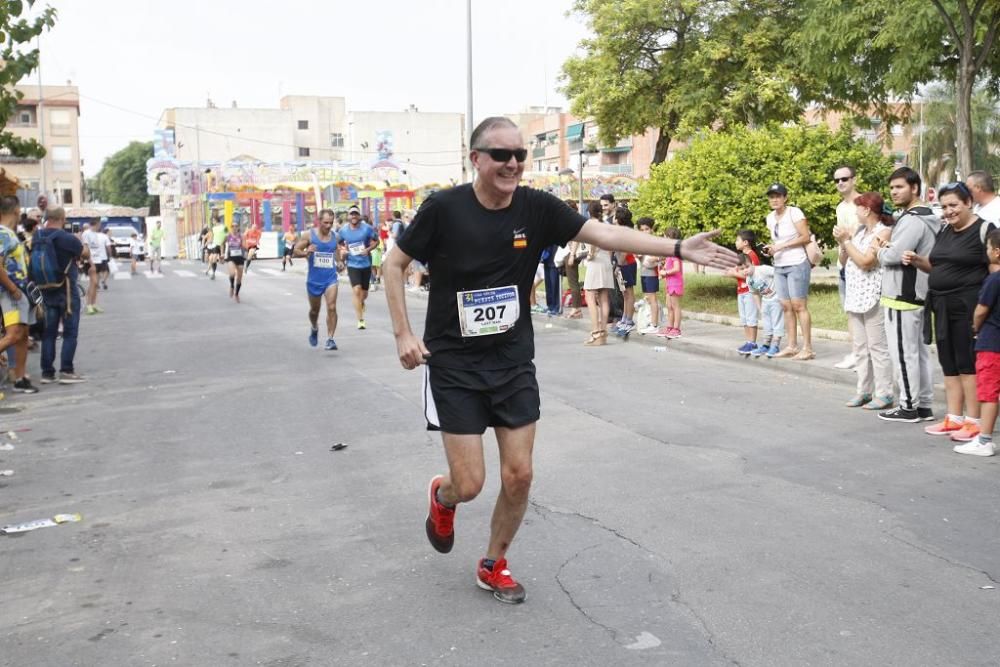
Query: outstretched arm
699, 248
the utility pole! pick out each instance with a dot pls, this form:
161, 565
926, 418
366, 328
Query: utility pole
41, 119
468, 83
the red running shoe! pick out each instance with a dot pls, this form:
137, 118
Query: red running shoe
500, 582
440, 519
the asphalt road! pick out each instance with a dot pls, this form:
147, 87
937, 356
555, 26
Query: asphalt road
686, 510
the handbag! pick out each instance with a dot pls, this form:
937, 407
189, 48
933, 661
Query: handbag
813, 252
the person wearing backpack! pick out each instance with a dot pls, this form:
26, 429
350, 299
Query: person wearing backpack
54, 254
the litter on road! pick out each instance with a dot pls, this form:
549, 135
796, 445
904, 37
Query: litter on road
40, 523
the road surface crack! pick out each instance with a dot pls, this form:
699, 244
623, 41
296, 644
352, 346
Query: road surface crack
933, 554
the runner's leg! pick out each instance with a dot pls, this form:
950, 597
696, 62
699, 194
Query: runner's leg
315, 302
239, 281
516, 445
466, 468
331, 311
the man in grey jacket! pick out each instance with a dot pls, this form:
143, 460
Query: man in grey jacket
904, 288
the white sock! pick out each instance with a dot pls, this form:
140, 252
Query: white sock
958, 419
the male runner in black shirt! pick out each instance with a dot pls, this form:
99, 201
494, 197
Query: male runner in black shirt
483, 242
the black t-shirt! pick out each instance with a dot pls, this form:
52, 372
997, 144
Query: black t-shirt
958, 259
469, 247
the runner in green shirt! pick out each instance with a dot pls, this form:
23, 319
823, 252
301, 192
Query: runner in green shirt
219, 233
155, 244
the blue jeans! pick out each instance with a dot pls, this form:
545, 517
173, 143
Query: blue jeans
553, 297
55, 312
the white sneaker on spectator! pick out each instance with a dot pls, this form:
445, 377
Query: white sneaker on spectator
648, 330
976, 448
847, 363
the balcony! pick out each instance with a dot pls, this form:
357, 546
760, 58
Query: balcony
538, 151
6, 158
618, 169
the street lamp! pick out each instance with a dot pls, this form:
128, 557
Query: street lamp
583, 151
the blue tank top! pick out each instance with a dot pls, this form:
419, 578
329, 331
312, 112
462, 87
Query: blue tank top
323, 262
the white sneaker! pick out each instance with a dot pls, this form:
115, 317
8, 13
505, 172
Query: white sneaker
976, 448
648, 330
848, 363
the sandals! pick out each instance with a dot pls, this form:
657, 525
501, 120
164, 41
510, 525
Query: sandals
858, 401
787, 353
597, 338
805, 355
880, 403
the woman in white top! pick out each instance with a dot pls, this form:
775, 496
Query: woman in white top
598, 283
863, 291
789, 238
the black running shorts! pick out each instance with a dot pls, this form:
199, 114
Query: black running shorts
362, 277
237, 261
467, 402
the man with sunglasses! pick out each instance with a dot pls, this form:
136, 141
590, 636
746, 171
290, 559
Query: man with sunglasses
847, 218
483, 242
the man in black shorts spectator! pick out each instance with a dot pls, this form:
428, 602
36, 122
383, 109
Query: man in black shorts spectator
358, 239
483, 243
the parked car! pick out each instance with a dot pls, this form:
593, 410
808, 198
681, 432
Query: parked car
120, 238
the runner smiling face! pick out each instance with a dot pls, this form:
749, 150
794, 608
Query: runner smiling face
498, 179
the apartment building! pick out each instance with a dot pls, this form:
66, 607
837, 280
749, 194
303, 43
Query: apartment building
422, 147
50, 116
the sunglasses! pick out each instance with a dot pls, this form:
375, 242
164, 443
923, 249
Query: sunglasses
957, 186
505, 154
842, 179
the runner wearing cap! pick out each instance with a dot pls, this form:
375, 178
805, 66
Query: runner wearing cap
319, 247
358, 239
483, 242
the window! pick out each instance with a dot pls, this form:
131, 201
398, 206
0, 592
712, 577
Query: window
59, 119
337, 140
25, 118
303, 151
67, 196
62, 158
303, 125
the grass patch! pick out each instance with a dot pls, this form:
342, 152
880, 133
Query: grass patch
717, 295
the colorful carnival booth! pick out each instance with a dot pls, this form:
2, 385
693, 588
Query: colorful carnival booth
274, 196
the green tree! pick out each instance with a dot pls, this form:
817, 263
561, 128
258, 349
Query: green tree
122, 178
719, 180
682, 65
17, 30
938, 133
885, 49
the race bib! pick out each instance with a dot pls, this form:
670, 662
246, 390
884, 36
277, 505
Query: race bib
356, 248
323, 260
236, 252
487, 312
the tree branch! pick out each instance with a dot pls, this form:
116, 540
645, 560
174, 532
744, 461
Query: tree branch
947, 18
988, 41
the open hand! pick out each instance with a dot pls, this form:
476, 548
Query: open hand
700, 250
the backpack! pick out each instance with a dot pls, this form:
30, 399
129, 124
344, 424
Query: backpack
43, 264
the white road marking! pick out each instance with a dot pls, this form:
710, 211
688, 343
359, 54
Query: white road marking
153, 276
121, 275
184, 274
270, 272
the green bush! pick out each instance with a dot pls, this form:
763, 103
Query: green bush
719, 180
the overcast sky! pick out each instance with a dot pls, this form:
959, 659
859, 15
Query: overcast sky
134, 58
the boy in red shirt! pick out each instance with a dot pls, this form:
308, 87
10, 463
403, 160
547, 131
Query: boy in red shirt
746, 302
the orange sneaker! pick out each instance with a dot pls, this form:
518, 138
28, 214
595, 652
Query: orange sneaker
945, 427
969, 432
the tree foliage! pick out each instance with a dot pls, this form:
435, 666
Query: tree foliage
888, 48
938, 130
122, 178
16, 31
682, 65
719, 180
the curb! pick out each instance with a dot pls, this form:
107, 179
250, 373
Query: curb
694, 347
711, 318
